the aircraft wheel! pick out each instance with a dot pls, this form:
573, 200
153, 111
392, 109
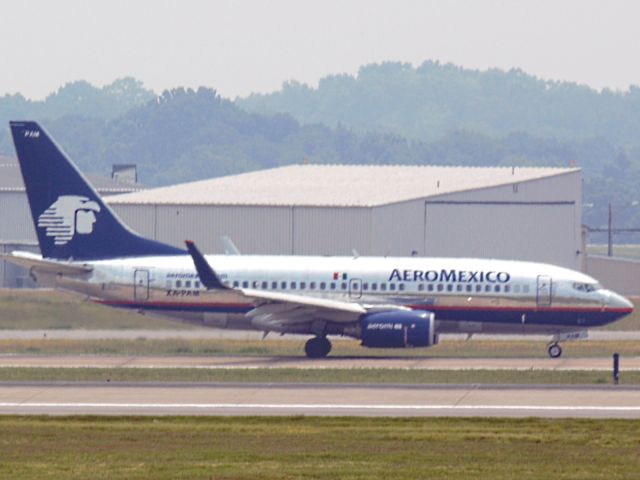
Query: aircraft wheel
317, 347
554, 350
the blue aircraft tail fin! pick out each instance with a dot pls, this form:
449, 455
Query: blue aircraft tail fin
70, 218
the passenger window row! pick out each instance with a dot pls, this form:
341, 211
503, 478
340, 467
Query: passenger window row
339, 286
274, 285
375, 287
183, 284
477, 288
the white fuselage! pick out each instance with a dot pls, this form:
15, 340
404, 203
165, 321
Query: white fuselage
466, 295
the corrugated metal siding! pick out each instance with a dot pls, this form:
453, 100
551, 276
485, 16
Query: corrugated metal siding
535, 232
555, 239
141, 218
331, 231
398, 229
254, 230
13, 276
15, 217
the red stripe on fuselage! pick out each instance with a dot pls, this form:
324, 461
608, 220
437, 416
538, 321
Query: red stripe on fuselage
124, 303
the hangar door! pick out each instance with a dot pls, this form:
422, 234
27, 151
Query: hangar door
536, 231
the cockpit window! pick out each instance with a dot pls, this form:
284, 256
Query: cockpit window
586, 287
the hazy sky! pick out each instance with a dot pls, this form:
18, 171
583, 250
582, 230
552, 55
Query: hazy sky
240, 47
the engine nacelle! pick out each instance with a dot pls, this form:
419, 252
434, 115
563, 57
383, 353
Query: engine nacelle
398, 329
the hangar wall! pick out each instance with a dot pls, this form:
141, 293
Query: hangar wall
535, 220
619, 274
398, 229
257, 229
331, 231
496, 230
15, 218
538, 220
16, 233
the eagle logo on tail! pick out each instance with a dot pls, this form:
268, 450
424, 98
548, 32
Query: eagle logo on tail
68, 215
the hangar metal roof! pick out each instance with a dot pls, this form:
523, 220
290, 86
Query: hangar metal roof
336, 185
11, 180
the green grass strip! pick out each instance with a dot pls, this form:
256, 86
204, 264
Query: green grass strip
298, 375
317, 448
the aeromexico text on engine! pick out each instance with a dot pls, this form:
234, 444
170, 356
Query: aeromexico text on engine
444, 275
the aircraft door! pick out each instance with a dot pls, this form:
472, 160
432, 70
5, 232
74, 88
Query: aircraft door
544, 290
141, 284
355, 288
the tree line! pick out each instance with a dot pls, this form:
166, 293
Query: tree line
184, 134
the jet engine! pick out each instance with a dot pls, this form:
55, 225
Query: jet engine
398, 329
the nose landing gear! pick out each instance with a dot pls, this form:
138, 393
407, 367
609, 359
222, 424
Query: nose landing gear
554, 350
317, 347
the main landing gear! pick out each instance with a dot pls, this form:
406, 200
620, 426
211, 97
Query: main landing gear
554, 350
317, 347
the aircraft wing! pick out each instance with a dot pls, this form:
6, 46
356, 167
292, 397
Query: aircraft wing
279, 304
32, 261
302, 300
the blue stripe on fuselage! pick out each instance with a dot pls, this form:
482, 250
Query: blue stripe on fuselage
548, 316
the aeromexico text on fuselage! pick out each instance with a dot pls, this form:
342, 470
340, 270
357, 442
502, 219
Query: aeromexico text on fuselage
442, 275
449, 275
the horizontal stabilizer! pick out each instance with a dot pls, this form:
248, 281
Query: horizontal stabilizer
229, 247
30, 261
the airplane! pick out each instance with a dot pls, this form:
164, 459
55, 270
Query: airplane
385, 302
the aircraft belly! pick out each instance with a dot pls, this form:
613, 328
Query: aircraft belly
454, 313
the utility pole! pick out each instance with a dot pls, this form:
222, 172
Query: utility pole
610, 233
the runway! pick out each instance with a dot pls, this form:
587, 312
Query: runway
319, 400
361, 362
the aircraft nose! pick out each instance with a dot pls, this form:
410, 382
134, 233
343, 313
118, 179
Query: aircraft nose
618, 302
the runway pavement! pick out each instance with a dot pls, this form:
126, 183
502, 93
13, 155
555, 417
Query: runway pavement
324, 400
230, 362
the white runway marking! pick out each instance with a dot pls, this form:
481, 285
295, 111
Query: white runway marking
307, 406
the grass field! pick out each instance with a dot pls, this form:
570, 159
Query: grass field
295, 347
322, 448
49, 310
316, 376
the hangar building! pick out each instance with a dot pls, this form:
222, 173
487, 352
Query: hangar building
496, 212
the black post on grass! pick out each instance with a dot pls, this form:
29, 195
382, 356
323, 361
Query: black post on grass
616, 368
